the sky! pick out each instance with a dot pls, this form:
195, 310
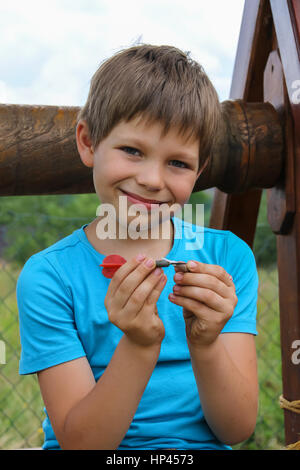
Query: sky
50, 49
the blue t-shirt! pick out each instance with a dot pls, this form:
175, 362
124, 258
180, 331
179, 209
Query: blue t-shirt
60, 295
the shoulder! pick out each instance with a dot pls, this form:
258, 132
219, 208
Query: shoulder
63, 245
223, 238
46, 267
238, 245
239, 259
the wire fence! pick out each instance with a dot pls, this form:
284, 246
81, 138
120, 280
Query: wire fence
28, 225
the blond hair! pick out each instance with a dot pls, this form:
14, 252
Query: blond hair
159, 83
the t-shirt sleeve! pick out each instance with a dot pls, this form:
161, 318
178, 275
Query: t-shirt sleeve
239, 262
46, 318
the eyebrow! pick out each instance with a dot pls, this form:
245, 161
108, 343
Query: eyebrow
177, 154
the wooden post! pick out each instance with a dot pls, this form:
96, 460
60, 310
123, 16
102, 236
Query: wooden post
238, 212
266, 70
282, 70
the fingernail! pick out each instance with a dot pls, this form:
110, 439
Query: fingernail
149, 263
157, 272
178, 277
140, 257
191, 264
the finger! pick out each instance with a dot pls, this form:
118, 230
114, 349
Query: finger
203, 280
205, 296
123, 272
147, 293
192, 307
201, 311
212, 269
149, 312
181, 267
130, 286
154, 295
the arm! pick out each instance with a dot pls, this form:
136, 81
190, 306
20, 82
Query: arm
224, 364
226, 377
89, 415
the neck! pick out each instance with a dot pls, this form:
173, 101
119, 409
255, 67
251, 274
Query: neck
155, 243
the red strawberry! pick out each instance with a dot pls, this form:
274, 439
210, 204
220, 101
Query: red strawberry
111, 264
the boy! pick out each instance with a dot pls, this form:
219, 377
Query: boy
121, 363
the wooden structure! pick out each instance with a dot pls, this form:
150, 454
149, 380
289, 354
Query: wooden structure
258, 147
267, 69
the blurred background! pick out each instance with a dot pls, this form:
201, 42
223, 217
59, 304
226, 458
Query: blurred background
48, 53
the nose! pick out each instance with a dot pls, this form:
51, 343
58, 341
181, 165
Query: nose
151, 175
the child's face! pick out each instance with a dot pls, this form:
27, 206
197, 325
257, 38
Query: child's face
135, 158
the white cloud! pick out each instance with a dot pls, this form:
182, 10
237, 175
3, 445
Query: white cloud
50, 49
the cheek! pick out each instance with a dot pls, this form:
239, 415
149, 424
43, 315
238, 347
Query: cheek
110, 171
120, 171
184, 189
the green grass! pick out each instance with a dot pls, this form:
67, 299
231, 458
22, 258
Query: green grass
21, 406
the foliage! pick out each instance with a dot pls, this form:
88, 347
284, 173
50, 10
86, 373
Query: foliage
60, 215
30, 215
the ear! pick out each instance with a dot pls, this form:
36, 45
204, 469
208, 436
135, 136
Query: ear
84, 143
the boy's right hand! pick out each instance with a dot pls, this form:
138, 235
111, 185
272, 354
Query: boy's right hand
131, 299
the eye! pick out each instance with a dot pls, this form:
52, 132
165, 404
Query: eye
130, 150
135, 152
181, 163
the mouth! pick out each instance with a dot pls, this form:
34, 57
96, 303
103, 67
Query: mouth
141, 199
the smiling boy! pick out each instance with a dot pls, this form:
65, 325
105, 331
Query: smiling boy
150, 172
124, 363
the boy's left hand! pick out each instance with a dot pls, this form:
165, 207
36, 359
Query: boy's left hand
207, 295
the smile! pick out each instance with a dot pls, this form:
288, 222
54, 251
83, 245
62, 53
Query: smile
135, 198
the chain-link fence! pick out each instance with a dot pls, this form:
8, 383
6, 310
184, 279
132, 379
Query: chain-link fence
28, 225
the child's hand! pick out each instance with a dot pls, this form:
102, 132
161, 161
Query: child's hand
131, 302
207, 295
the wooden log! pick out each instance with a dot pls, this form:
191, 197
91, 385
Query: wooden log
38, 153
248, 151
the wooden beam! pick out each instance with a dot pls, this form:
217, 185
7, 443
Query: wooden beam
38, 153
249, 32
247, 151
